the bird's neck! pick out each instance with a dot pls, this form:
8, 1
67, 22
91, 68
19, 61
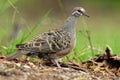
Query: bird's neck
69, 24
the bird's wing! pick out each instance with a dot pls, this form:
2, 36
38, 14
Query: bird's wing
48, 42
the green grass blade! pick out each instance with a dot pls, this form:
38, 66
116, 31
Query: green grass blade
5, 4
36, 26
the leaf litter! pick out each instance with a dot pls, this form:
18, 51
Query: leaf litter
105, 66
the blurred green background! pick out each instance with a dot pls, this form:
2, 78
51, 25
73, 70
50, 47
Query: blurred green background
22, 20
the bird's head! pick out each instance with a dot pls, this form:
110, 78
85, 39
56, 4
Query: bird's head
78, 11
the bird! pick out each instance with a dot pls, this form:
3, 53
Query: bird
52, 44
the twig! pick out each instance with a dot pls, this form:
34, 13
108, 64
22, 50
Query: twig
89, 39
16, 30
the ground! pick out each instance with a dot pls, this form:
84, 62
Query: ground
104, 67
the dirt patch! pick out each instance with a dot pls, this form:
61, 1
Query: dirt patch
35, 70
104, 67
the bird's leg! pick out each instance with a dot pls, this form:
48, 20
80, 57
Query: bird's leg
55, 61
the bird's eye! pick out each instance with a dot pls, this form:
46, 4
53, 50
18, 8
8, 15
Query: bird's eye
79, 10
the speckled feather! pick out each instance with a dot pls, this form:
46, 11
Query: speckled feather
48, 42
53, 44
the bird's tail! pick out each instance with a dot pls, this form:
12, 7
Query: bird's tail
14, 55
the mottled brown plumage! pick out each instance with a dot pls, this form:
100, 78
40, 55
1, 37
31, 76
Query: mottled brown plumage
53, 44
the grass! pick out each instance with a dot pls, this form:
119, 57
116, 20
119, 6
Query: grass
99, 39
10, 46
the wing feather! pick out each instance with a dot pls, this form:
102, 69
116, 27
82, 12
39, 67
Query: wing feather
51, 41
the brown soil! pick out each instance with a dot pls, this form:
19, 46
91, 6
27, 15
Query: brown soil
104, 67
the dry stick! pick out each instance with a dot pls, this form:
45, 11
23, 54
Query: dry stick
89, 39
79, 57
16, 30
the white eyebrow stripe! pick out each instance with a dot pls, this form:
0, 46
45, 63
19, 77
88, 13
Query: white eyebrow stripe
76, 12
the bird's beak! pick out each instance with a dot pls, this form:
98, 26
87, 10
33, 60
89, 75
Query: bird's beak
85, 14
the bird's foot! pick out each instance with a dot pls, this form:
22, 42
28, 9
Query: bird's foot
55, 61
